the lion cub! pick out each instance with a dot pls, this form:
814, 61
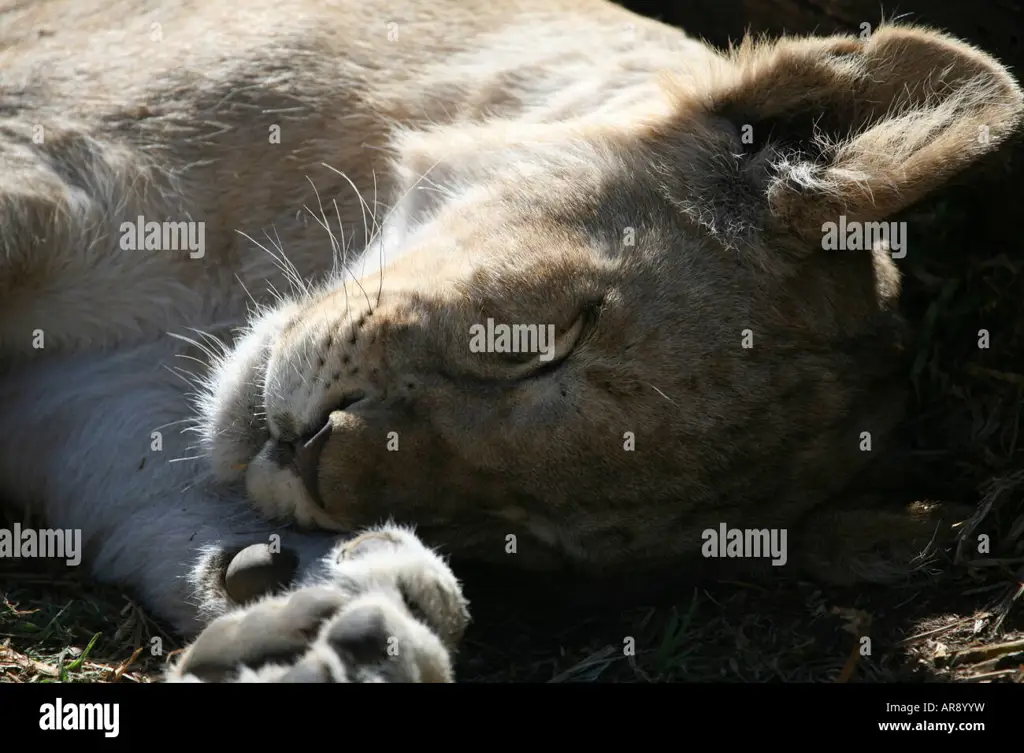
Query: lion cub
555, 284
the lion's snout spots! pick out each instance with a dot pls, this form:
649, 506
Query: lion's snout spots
321, 364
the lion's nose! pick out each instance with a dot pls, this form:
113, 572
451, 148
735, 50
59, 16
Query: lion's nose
304, 456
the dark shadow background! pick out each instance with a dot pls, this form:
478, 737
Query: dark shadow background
995, 25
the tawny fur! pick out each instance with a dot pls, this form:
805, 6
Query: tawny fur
375, 182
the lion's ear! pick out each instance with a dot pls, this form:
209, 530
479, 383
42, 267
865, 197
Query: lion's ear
811, 129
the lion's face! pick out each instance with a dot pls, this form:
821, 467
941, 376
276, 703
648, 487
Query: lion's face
695, 356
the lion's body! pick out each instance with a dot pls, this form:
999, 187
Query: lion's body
525, 165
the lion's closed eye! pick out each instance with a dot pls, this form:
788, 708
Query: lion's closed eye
524, 351
556, 352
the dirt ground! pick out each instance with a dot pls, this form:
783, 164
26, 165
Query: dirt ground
963, 620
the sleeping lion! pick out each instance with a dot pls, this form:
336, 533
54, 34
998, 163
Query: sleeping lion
299, 298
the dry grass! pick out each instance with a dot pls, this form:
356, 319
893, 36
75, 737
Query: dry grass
57, 626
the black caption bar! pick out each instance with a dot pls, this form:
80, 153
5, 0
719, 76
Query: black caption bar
110, 715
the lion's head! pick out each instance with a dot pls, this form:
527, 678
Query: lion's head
698, 353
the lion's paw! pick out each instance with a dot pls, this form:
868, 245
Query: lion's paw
384, 609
